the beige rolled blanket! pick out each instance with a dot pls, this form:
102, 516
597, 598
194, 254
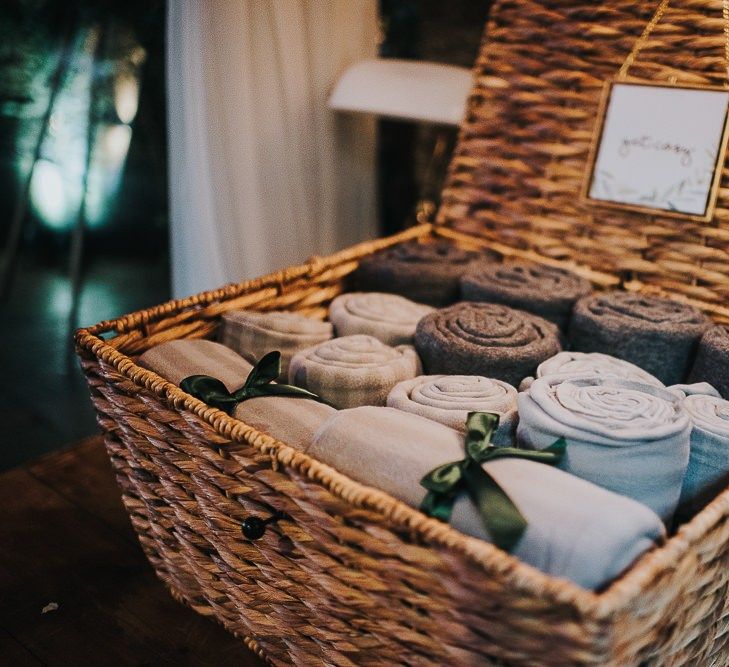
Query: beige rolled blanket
252, 334
353, 370
388, 317
290, 420
449, 398
575, 530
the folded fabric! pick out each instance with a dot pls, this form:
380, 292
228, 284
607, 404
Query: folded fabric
388, 317
712, 360
657, 334
252, 334
290, 420
546, 291
572, 364
423, 272
626, 436
708, 467
485, 339
449, 398
353, 370
575, 530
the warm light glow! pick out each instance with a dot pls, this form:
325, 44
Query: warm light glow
126, 96
48, 194
107, 167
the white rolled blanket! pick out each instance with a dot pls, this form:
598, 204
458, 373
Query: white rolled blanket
572, 364
449, 398
626, 436
576, 530
252, 334
291, 420
388, 317
708, 467
353, 370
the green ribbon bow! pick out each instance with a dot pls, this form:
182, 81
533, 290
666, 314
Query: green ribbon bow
259, 382
501, 517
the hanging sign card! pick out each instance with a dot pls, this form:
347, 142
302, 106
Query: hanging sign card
659, 149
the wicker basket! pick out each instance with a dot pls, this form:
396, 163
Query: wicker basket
352, 576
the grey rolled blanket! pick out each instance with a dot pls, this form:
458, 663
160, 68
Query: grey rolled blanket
708, 468
657, 334
576, 530
712, 360
252, 334
543, 290
291, 420
353, 370
449, 398
626, 436
423, 272
388, 317
486, 339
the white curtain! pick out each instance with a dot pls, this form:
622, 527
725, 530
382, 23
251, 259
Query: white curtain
262, 174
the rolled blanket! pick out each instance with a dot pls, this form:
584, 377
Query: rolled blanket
449, 398
291, 420
353, 370
659, 335
712, 360
626, 436
708, 467
253, 334
543, 290
485, 339
572, 364
388, 317
425, 273
575, 530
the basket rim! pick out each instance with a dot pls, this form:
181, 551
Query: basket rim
620, 594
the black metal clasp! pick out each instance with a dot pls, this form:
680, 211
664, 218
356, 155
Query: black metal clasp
253, 527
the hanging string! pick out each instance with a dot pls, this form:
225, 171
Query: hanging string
655, 19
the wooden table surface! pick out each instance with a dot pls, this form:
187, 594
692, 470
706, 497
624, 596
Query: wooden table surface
66, 539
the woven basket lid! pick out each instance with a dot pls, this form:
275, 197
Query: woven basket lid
518, 169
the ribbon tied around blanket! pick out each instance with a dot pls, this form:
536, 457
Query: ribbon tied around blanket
501, 517
260, 382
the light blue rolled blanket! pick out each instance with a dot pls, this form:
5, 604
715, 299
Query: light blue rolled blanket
626, 436
576, 530
708, 469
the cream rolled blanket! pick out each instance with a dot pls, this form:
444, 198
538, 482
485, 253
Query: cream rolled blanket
657, 334
708, 467
546, 291
291, 420
449, 398
575, 530
486, 339
353, 370
626, 436
252, 334
423, 272
572, 364
712, 360
388, 317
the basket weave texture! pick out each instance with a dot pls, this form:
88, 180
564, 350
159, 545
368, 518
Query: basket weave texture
351, 576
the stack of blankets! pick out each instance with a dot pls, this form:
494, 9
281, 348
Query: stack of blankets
637, 386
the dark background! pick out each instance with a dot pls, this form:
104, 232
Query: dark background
72, 68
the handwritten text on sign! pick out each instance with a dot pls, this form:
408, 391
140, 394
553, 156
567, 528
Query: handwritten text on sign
659, 147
